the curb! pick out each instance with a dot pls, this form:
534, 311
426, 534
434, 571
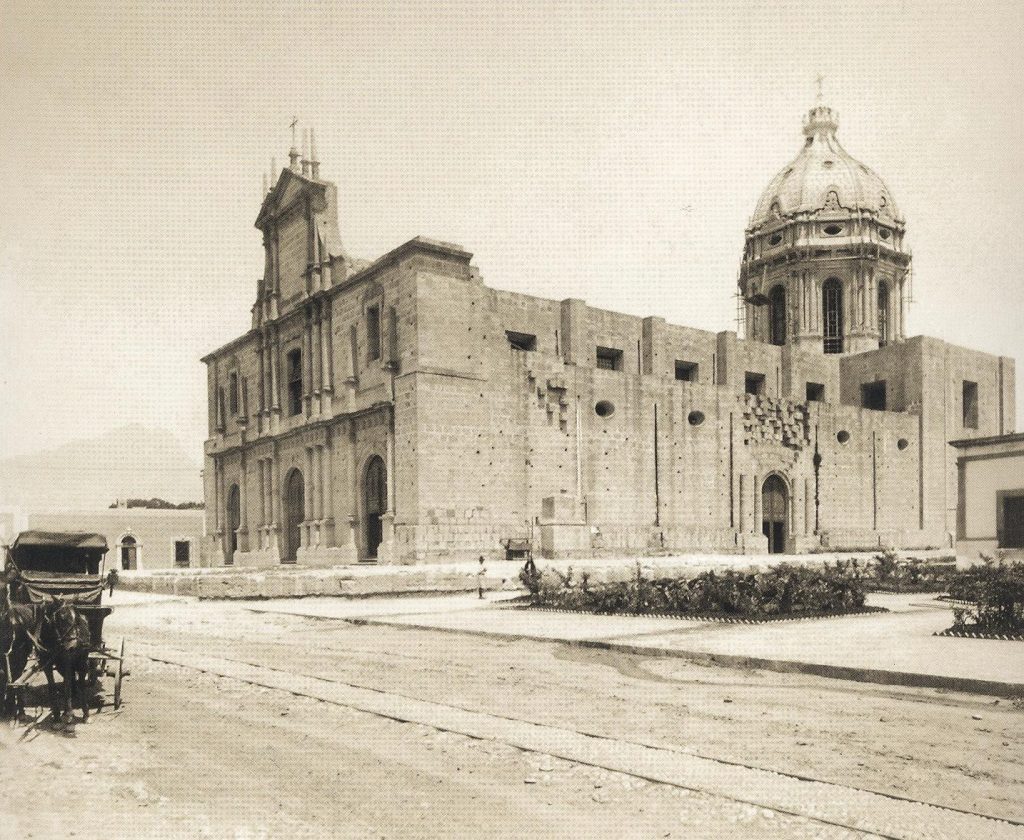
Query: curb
709, 617
906, 679
980, 634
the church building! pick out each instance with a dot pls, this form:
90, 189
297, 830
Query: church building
401, 410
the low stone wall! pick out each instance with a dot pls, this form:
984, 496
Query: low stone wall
364, 581
297, 583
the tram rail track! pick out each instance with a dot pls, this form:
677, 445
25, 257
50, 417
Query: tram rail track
872, 812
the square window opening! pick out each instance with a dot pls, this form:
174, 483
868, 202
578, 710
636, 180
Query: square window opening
1010, 519
872, 395
608, 358
181, 553
686, 371
815, 392
753, 384
521, 341
970, 405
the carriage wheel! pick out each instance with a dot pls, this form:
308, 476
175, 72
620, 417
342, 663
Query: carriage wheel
96, 668
118, 674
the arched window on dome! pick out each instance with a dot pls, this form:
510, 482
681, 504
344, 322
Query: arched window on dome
777, 300
883, 314
832, 311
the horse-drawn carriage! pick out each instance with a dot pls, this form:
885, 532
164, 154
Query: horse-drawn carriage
55, 614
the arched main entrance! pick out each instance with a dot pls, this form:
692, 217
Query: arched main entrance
234, 519
294, 515
375, 503
774, 507
129, 553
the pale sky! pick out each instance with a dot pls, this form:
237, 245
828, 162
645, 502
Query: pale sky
608, 151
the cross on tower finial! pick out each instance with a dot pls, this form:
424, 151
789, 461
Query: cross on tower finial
293, 152
819, 81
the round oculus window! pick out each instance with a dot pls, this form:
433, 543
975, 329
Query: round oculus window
902, 444
843, 436
775, 239
695, 418
884, 233
604, 409
832, 230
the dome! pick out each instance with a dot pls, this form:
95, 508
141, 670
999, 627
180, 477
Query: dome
823, 177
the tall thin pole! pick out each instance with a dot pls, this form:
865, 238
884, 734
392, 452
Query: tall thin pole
579, 457
657, 491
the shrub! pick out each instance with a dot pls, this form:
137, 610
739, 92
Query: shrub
995, 592
887, 573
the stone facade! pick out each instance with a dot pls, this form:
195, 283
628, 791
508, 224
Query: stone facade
403, 411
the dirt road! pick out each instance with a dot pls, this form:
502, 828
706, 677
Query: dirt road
194, 755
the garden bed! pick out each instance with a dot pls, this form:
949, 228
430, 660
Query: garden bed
989, 601
781, 592
887, 573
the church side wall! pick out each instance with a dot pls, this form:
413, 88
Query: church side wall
575, 432
496, 441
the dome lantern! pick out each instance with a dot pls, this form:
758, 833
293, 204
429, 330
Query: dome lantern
820, 120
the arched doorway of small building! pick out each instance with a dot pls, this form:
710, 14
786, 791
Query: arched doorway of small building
234, 519
774, 509
375, 504
294, 515
128, 548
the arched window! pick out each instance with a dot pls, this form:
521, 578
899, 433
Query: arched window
777, 298
883, 314
832, 311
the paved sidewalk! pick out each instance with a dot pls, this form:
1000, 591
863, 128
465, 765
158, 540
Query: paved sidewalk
892, 648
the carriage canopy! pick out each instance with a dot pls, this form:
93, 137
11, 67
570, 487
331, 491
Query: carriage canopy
76, 553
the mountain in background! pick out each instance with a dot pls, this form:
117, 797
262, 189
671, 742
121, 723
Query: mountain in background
133, 461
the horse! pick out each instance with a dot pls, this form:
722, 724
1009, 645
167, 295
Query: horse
64, 644
17, 625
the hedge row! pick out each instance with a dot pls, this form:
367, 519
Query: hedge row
887, 573
995, 591
781, 590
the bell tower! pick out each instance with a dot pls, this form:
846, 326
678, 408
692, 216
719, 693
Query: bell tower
824, 267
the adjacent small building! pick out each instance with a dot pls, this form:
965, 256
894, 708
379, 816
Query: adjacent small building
990, 477
138, 538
